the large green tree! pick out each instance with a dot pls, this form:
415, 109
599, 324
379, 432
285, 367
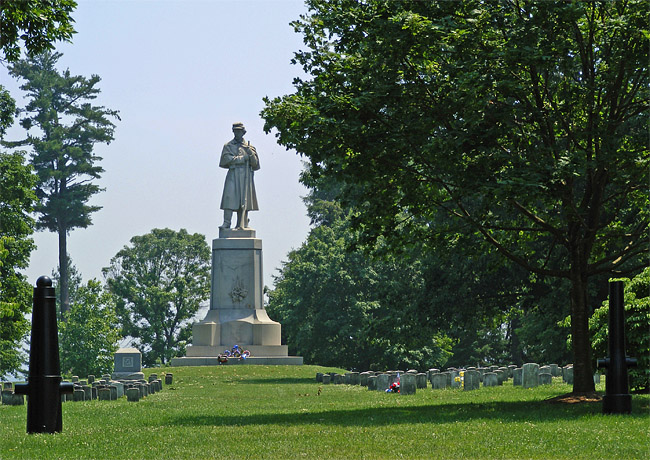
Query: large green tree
343, 308
524, 121
35, 23
160, 282
90, 333
17, 198
67, 128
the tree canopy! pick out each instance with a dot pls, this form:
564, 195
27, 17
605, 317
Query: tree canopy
523, 122
37, 24
159, 282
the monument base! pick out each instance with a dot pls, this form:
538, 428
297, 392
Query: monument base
237, 315
127, 376
253, 360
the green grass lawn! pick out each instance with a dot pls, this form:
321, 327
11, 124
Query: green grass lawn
240, 412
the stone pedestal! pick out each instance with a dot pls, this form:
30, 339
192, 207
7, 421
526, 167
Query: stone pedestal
237, 315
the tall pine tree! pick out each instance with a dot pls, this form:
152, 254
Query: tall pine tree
68, 128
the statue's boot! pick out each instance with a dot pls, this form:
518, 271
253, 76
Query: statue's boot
227, 218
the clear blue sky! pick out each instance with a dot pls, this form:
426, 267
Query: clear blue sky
180, 73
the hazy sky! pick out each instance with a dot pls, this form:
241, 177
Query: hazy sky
180, 73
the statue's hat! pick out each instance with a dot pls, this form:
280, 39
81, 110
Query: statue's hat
238, 125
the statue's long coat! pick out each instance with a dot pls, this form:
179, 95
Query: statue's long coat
241, 160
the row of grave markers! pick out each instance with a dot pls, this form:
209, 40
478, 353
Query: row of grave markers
528, 376
104, 389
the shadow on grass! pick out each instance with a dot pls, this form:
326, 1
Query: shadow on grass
538, 411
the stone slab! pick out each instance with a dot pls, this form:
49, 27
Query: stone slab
127, 376
236, 233
253, 360
128, 360
257, 351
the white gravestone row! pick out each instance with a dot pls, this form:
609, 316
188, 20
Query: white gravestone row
530, 375
104, 389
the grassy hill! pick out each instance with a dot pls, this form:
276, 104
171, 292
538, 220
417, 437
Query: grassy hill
258, 412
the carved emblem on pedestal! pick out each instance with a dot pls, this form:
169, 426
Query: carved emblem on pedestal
238, 291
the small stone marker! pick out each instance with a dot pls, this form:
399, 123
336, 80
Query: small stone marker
79, 395
517, 376
490, 379
169, 378
88, 393
319, 377
455, 379
372, 382
104, 394
545, 378
530, 375
421, 380
568, 375
133, 394
354, 378
407, 384
438, 381
326, 379
383, 382
9, 398
472, 380
363, 378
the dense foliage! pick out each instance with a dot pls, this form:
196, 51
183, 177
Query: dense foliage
340, 307
637, 329
89, 333
522, 122
68, 127
159, 282
433, 305
16, 227
37, 24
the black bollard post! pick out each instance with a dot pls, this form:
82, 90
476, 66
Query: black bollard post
617, 399
44, 386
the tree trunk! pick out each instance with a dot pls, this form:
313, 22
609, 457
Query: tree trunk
516, 354
583, 380
63, 272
